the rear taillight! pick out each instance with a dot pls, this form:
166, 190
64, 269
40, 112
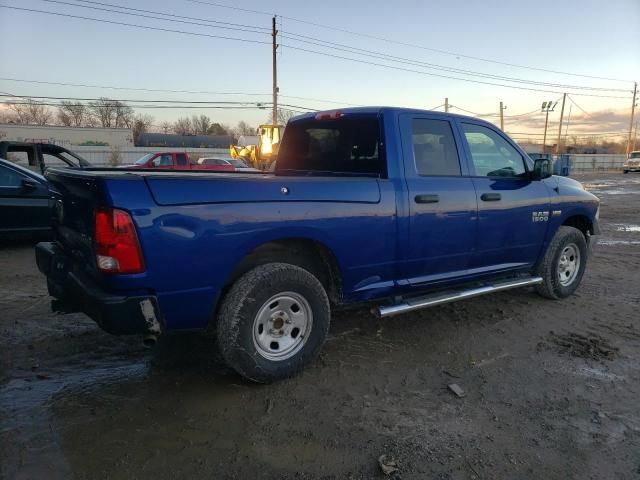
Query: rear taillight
117, 246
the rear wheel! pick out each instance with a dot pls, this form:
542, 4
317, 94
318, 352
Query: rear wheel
563, 264
273, 321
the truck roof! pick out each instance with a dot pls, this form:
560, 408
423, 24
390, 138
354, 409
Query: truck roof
383, 109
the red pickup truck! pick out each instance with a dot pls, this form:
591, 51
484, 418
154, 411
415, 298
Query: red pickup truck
176, 161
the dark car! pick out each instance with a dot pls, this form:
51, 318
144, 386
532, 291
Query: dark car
25, 202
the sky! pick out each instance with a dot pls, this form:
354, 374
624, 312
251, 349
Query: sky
581, 37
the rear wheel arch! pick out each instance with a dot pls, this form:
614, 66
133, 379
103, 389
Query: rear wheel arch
312, 255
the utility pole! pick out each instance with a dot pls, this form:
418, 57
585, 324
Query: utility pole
546, 108
274, 34
446, 104
566, 129
502, 109
633, 111
635, 137
564, 98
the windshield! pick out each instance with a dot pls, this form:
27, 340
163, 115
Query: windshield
143, 160
238, 163
634, 155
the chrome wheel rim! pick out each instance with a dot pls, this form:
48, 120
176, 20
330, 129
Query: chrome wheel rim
282, 325
568, 264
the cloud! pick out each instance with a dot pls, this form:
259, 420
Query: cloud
603, 121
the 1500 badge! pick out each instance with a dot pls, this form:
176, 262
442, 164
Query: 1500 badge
540, 216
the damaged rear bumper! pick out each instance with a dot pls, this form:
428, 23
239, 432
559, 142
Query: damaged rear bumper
75, 291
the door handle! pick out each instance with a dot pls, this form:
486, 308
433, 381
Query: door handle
427, 198
490, 197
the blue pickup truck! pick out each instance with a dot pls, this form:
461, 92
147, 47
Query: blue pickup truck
398, 208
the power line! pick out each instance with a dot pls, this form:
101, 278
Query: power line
143, 107
403, 60
184, 32
182, 102
161, 90
111, 87
394, 67
579, 107
265, 29
406, 44
199, 23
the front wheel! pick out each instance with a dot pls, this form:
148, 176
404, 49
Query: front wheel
563, 264
273, 321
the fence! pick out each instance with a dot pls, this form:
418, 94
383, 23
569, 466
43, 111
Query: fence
101, 156
581, 163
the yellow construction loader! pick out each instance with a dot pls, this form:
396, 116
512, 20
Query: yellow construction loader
259, 151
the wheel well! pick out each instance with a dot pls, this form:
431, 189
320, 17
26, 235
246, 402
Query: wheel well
311, 255
580, 222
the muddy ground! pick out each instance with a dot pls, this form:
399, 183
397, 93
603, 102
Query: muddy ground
552, 387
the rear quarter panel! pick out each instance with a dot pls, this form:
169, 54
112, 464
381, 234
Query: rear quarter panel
197, 229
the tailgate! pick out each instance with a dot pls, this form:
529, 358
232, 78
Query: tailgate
75, 198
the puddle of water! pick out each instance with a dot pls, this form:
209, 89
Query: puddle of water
618, 242
621, 227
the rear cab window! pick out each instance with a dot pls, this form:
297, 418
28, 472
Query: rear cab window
346, 146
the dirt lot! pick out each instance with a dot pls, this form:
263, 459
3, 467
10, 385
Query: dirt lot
552, 388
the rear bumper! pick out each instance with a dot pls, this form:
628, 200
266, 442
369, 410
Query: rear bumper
75, 291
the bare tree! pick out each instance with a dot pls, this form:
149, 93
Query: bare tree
141, 124
200, 124
284, 116
31, 112
112, 113
165, 127
218, 129
72, 114
243, 128
124, 115
182, 126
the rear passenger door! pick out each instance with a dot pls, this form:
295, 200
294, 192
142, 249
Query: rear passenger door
513, 210
442, 201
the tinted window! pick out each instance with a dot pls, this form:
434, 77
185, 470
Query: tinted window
53, 161
9, 178
181, 159
492, 155
434, 149
162, 161
340, 146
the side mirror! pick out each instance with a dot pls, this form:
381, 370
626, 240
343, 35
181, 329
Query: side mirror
29, 185
541, 169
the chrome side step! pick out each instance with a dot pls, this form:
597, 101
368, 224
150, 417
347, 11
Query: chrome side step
418, 303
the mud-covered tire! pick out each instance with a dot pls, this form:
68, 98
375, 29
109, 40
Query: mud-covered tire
554, 286
242, 320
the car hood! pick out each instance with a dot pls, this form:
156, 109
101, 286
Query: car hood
567, 182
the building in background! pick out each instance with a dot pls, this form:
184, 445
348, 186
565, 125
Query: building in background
168, 140
68, 137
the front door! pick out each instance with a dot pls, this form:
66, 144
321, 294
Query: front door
442, 201
24, 202
513, 210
